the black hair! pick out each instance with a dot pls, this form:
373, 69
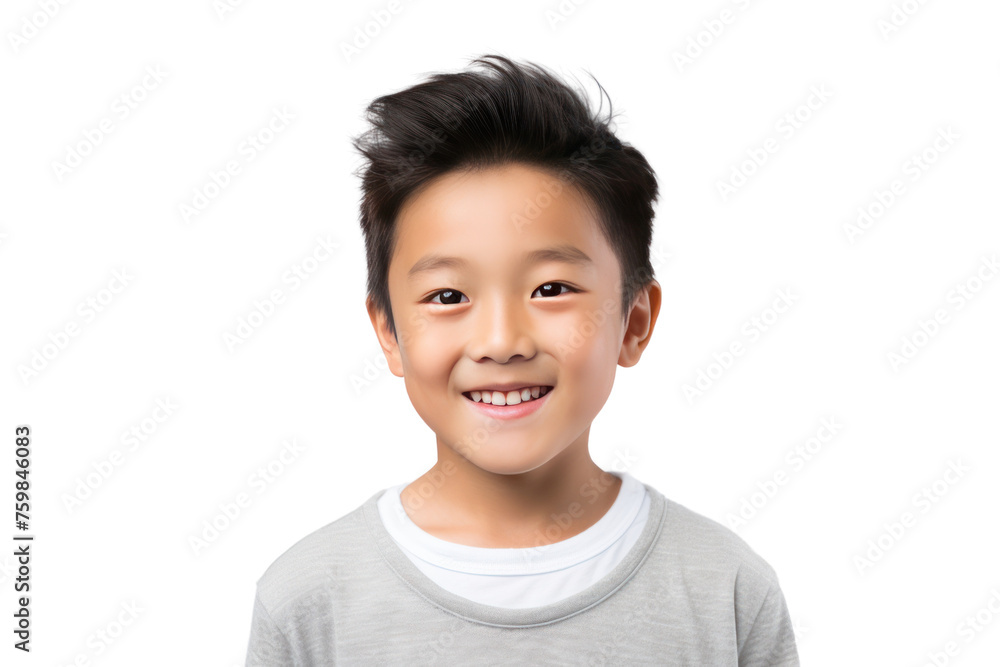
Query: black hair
507, 113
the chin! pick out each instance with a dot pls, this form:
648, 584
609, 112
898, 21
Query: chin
504, 461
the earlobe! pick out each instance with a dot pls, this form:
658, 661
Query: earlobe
387, 341
639, 328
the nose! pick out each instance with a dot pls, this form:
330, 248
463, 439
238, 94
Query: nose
501, 331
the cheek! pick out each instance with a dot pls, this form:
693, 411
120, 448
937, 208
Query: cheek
424, 353
427, 365
589, 362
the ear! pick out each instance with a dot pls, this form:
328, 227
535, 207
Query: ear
639, 328
386, 340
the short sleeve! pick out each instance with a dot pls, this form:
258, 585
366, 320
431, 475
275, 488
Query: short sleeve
268, 645
771, 640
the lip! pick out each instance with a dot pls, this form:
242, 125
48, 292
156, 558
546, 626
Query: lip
522, 409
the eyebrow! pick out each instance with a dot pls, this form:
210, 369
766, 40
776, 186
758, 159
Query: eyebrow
568, 254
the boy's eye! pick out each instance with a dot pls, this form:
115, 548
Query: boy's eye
552, 289
450, 297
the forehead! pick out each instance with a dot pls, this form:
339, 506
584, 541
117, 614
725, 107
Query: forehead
497, 218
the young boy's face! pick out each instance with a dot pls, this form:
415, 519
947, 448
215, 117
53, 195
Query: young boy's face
500, 311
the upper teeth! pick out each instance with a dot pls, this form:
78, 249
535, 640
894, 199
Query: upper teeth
512, 397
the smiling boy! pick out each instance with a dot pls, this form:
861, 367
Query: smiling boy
507, 233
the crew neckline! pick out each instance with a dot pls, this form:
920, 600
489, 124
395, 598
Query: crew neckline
469, 610
589, 543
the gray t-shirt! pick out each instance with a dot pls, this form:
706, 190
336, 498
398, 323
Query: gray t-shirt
689, 592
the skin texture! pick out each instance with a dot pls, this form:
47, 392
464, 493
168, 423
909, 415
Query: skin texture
529, 481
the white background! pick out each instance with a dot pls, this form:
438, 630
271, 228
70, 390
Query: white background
190, 282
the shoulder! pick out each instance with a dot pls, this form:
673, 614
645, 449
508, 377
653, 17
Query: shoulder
705, 545
710, 567
310, 569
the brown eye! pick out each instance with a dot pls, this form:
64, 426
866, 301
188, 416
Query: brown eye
448, 297
552, 289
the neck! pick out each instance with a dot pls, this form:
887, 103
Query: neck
459, 502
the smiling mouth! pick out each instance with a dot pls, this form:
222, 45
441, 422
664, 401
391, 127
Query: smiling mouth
513, 397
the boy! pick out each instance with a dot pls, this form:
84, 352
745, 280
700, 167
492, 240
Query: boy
507, 234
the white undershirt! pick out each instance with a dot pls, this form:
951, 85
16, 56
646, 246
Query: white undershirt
524, 577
